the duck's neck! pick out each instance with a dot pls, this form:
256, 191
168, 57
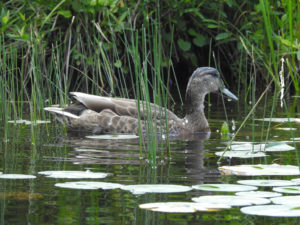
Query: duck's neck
195, 119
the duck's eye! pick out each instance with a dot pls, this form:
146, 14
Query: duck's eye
215, 74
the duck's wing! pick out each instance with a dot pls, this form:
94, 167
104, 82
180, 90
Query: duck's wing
122, 106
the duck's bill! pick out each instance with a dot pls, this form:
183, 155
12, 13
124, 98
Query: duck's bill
230, 95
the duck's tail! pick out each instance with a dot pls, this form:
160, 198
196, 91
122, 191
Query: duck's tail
61, 115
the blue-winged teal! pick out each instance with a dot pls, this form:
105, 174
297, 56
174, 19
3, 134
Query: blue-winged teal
99, 114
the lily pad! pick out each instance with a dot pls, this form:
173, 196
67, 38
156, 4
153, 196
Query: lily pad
240, 154
72, 174
266, 183
113, 136
91, 150
224, 187
286, 200
296, 180
272, 210
278, 147
259, 194
285, 128
288, 189
231, 200
155, 188
27, 122
270, 147
182, 207
88, 185
281, 120
260, 169
16, 176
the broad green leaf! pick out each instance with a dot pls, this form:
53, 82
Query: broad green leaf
200, 40
94, 2
118, 63
65, 13
184, 45
222, 36
192, 32
212, 26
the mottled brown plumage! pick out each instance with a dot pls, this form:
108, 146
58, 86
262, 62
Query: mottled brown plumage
98, 114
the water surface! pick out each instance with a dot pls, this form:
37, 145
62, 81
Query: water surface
31, 149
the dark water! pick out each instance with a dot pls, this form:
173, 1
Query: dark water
30, 149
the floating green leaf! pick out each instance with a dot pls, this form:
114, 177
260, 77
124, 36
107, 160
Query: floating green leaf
224, 187
288, 190
286, 200
231, 200
16, 176
182, 207
260, 170
266, 183
272, 210
259, 194
113, 136
88, 185
72, 174
155, 188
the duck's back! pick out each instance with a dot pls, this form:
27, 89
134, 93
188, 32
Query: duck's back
99, 114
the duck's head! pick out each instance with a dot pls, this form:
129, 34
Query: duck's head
203, 81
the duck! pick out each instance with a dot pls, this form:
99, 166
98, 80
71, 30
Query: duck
100, 114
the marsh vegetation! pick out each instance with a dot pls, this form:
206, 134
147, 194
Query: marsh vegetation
144, 50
